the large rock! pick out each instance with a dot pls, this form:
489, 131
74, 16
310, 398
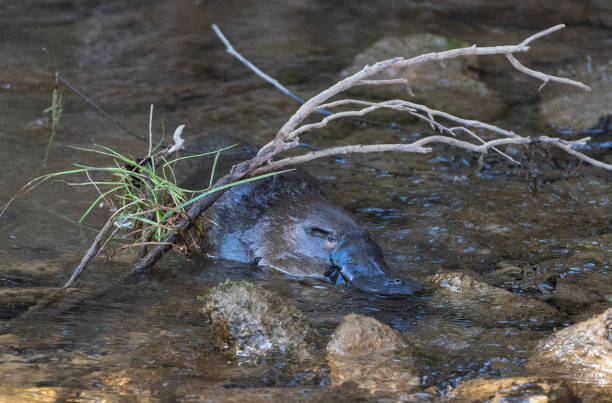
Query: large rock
578, 111
249, 320
372, 355
449, 85
530, 389
582, 352
570, 108
469, 296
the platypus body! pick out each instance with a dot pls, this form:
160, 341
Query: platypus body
285, 222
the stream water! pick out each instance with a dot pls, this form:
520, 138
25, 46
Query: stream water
149, 341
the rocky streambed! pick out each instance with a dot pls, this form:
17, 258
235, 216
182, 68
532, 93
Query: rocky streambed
515, 259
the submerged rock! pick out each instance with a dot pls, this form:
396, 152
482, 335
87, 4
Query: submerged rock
449, 85
249, 320
582, 294
573, 286
471, 297
14, 300
358, 334
372, 355
578, 110
569, 108
582, 351
532, 389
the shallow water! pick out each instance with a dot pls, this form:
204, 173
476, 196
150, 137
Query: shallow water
429, 212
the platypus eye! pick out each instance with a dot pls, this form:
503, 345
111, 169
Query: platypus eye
324, 234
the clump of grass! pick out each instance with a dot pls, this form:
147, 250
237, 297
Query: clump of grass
55, 110
142, 194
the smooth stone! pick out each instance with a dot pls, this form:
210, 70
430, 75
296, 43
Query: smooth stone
372, 355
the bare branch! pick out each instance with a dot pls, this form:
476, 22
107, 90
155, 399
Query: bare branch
92, 252
477, 137
384, 82
416, 147
541, 34
566, 146
430, 112
374, 106
544, 77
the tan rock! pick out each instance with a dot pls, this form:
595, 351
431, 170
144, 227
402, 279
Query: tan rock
582, 352
358, 334
371, 354
531, 390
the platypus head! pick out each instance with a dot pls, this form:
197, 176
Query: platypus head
358, 260
322, 240
286, 223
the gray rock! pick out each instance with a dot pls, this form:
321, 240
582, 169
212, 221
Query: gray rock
371, 354
469, 296
565, 107
582, 352
447, 85
249, 320
578, 111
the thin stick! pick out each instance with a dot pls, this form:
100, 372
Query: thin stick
230, 49
98, 108
542, 33
150, 132
95, 249
393, 81
91, 252
544, 77
95, 185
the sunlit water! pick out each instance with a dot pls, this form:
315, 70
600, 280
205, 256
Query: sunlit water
429, 213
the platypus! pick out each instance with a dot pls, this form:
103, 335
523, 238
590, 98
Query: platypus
285, 222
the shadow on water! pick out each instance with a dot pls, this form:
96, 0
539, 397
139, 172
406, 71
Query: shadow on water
430, 213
